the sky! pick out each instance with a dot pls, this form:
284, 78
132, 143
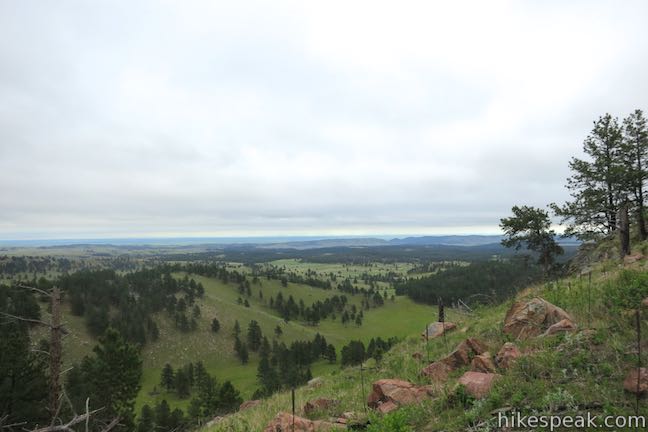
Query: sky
213, 118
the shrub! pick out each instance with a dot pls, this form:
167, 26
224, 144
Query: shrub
630, 288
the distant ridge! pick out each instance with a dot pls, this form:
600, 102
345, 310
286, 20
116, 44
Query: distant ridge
449, 240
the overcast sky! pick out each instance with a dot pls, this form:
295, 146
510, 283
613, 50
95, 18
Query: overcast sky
207, 118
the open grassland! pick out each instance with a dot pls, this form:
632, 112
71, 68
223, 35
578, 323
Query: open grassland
563, 374
399, 317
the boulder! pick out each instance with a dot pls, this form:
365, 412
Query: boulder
417, 356
214, 421
564, 325
507, 355
478, 384
319, 404
437, 371
249, 404
482, 363
463, 354
283, 422
630, 383
436, 329
394, 393
532, 318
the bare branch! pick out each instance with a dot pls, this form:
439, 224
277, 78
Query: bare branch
68, 426
35, 321
38, 290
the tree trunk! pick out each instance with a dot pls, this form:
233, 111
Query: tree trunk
624, 230
55, 353
640, 216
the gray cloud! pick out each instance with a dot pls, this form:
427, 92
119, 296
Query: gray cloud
213, 118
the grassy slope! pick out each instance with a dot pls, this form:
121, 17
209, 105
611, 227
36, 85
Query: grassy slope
560, 374
215, 350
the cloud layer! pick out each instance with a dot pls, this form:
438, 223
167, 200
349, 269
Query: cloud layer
247, 118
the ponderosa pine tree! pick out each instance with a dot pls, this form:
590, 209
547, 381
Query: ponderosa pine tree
530, 227
254, 335
113, 376
596, 184
635, 158
167, 377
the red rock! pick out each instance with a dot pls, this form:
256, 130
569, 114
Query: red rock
283, 422
564, 325
249, 404
630, 383
532, 318
507, 355
319, 404
436, 329
478, 384
387, 407
463, 354
482, 363
437, 371
397, 392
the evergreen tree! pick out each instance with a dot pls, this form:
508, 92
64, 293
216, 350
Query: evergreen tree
23, 383
166, 380
230, 399
114, 376
146, 419
182, 386
254, 335
530, 227
596, 184
635, 158
215, 325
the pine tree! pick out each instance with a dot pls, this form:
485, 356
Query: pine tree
215, 325
166, 380
146, 419
229, 397
596, 184
254, 335
635, 158
114, 377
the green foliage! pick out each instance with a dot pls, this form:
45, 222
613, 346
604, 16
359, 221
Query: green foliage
531, 227
628, 290
479, 282
396, 421
110, 379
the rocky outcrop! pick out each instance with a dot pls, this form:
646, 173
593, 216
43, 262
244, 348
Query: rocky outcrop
436, 329
437, 371
482, 363
389, 394
532, 318
249, 404
507, 355
561, 326
636, 381
320, 404
463, 354
283, 422
478, 384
